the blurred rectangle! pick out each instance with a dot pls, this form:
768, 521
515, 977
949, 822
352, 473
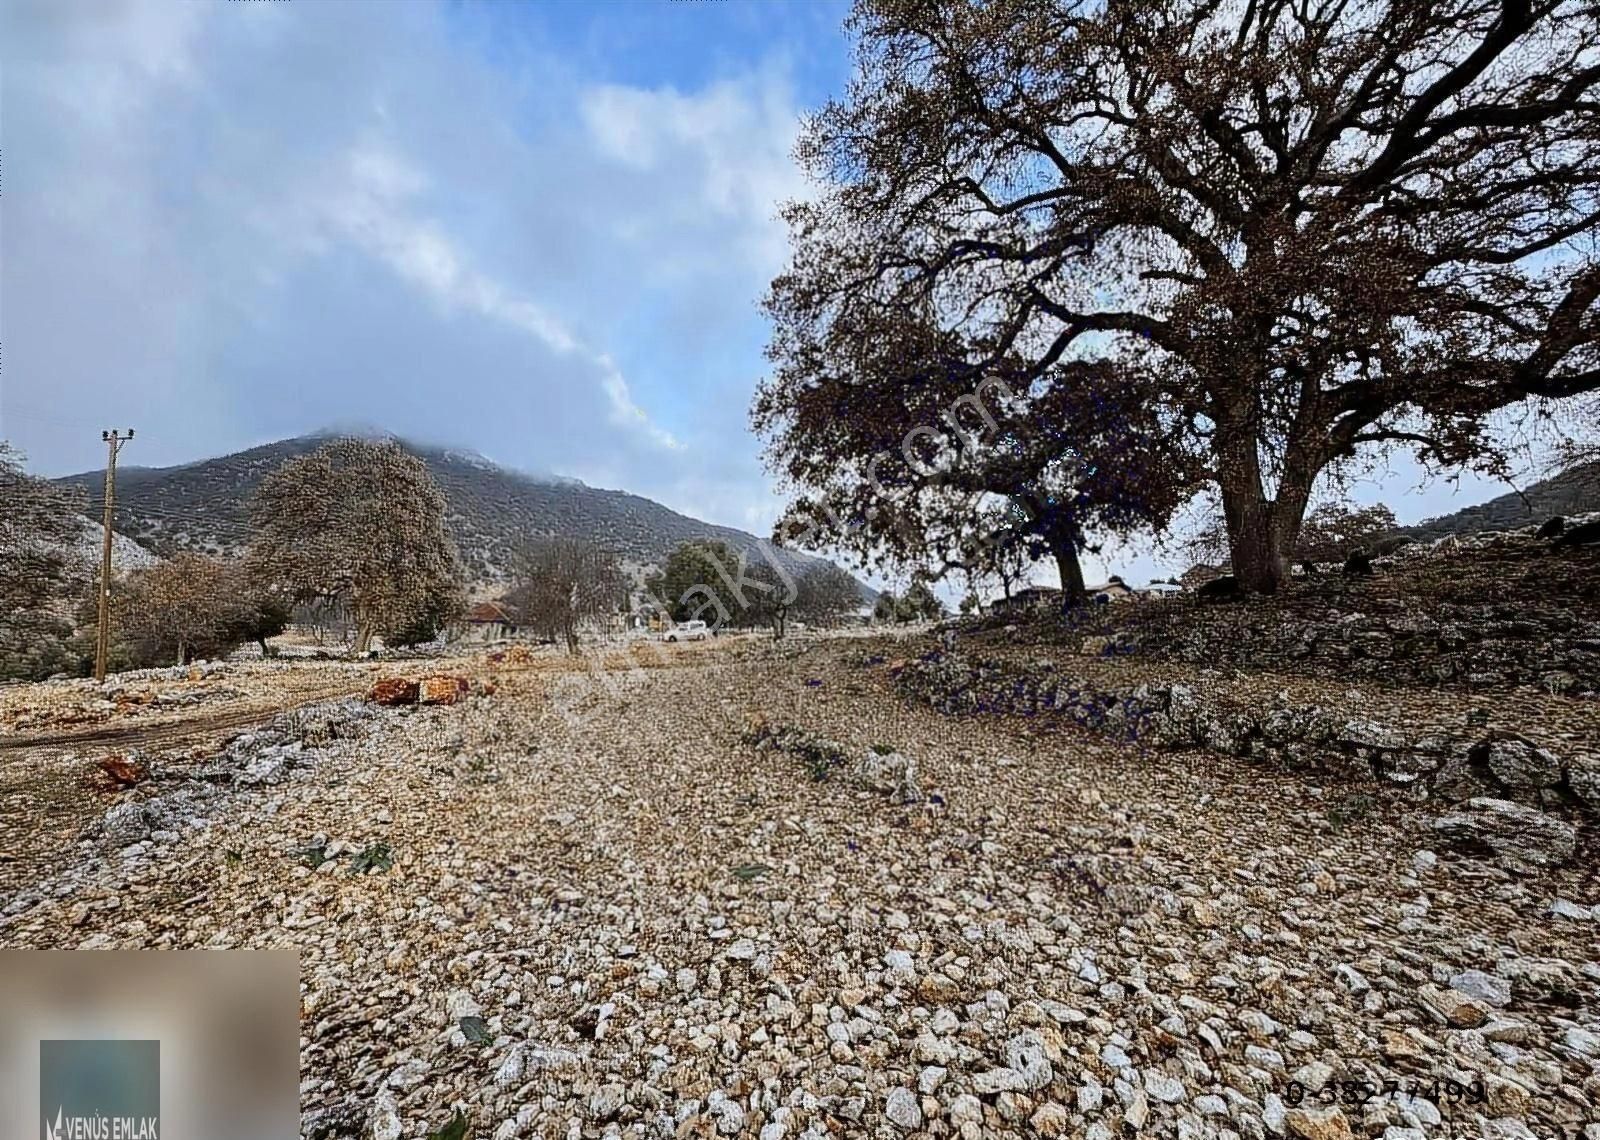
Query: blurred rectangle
92, 1041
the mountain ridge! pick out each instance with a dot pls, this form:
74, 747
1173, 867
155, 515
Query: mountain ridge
1573, 491
204, 504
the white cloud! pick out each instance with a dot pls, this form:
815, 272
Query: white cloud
371, 212
725, 151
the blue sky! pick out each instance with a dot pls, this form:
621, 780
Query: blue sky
536, 230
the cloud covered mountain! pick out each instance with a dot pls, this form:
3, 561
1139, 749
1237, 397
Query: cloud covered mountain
205, 506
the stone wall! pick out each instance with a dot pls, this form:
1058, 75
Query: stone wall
1476, 646
1427, 764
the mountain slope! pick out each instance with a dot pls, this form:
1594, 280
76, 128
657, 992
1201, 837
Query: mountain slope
1574, 491
205, 506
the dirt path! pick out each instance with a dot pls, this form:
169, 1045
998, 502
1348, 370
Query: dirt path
181, 729
671, 933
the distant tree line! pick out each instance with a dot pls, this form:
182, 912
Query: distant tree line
710, 581
356, 528
350, 538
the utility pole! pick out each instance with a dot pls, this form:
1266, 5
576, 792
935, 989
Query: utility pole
102, 645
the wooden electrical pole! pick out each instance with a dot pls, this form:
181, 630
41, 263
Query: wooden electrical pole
102, 645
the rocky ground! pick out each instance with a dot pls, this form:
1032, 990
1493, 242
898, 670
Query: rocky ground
1484, 612
581, 907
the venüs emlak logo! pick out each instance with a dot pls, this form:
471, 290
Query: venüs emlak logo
101, 1090
101, 1127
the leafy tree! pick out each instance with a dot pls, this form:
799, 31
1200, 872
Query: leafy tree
359, 523
709, 581
443, 605
886, 608
919, 603
39, 577
562, 583
820, 595
190, 606
898, 441
265, 617
970, 603
163, 612
825, 594
1306, 233
772, 604
1332, 530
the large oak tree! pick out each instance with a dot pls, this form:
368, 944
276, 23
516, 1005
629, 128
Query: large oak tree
360, 524
1312, 228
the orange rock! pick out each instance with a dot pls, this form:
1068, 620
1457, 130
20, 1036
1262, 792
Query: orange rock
123, 772
394, 691
443, 689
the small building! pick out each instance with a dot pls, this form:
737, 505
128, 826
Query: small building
1160, 590
1026, 599
1201, 573
1115, 590
487, 622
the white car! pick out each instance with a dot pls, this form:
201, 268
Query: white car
687, 631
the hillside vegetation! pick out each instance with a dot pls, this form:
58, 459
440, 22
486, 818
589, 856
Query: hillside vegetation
1574, 491
205, 506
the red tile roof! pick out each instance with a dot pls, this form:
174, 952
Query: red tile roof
489, 612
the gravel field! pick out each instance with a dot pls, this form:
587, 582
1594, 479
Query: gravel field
593, 908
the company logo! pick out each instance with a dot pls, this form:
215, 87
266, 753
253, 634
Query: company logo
100, 1090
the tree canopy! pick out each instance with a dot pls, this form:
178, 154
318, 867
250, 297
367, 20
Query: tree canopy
360, 523
190, 606
39, 526
1299, 233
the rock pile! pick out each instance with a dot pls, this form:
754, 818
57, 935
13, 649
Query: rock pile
290, 742
878, 768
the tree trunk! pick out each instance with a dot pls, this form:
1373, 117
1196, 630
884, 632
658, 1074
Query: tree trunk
1263, 532
363, 637
1060, 536
1259, 563
1073, 591
180, 652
